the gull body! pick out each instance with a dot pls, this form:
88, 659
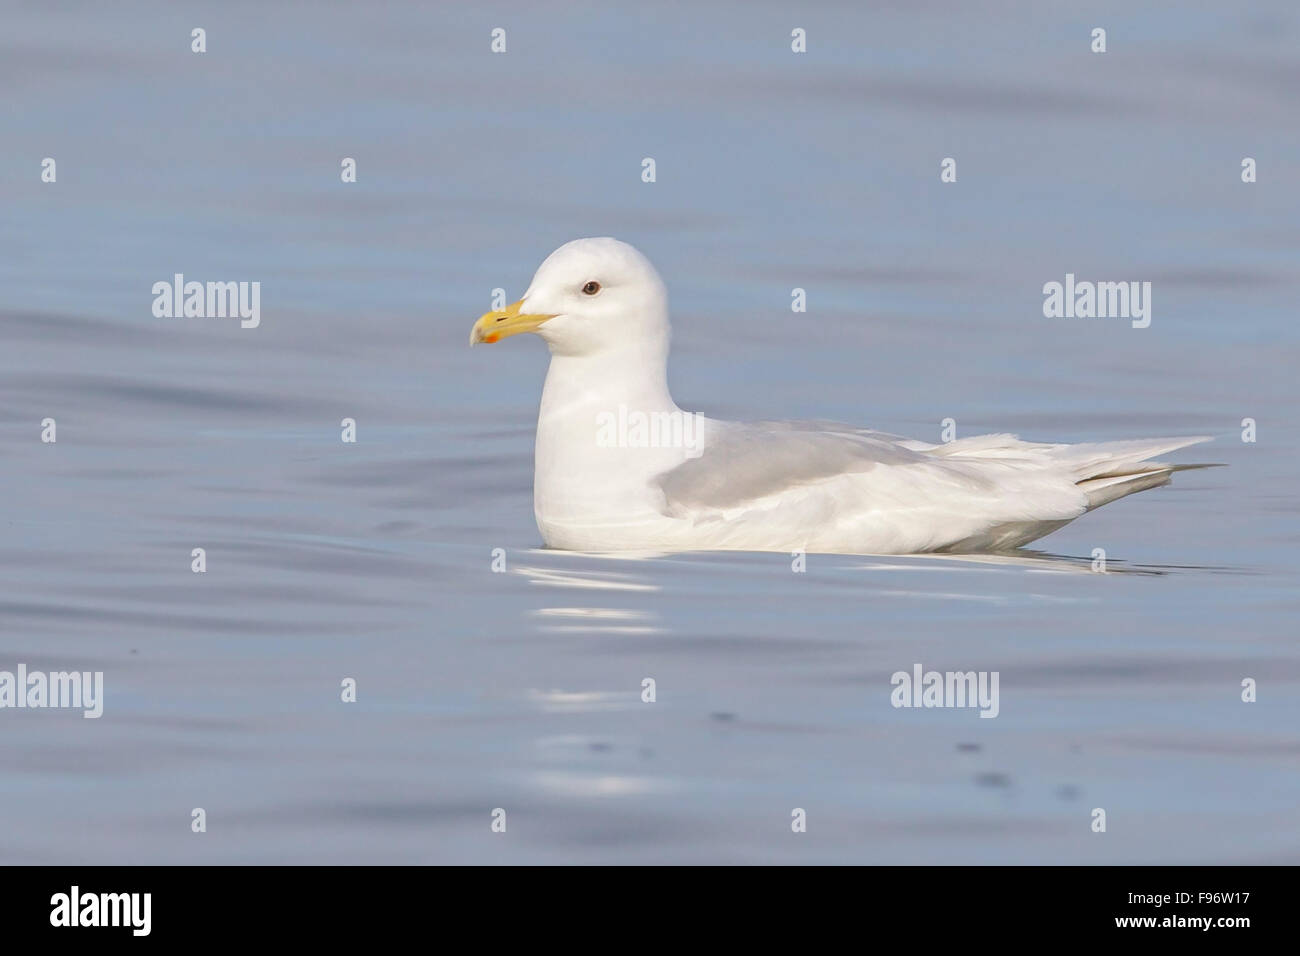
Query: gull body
673, 481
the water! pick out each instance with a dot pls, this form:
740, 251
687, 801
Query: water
522, 690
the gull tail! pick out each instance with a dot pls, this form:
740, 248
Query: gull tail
1108, 471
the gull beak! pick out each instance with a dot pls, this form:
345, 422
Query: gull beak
494, 326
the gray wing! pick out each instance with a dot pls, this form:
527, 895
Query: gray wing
750, 460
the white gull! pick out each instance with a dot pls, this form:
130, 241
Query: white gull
673, 481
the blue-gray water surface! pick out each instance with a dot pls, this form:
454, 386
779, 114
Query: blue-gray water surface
521, 690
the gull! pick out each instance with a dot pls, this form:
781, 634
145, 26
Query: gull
620, 467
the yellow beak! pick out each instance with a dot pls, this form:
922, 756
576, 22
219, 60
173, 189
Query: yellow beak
494, 326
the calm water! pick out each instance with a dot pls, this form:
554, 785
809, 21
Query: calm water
522, 690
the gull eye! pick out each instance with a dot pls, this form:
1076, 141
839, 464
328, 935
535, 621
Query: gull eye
591, 288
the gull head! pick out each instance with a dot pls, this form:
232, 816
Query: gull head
590, 296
